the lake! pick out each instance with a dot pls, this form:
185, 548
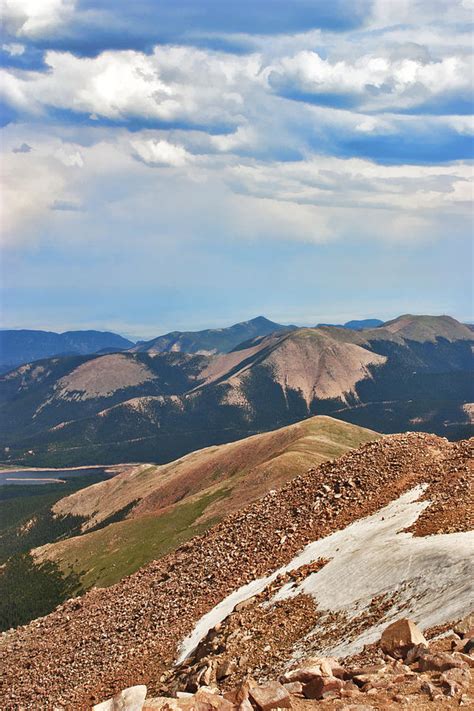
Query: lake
50, 476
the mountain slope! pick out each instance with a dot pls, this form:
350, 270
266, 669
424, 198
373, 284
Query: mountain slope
174, 500
428, 328
416, 373
133, 632
24, 346
213, 340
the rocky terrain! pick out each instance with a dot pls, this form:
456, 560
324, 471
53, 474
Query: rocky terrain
273, 584
414, 373
401, 670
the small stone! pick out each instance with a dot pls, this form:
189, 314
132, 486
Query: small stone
431, 690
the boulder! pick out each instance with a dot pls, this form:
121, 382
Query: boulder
302, 674
164, 703
440, 662
131, 699
465, 625
207, 701
321, 686
317, 666
398, 638
294, 687
272, 695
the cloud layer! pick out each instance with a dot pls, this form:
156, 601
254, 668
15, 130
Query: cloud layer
271, 129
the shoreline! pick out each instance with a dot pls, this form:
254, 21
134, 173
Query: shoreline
109, 467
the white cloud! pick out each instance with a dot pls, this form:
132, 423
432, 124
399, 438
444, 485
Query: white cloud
160, 153
14, 49
375, 81
70, 158
174, 83
35, 18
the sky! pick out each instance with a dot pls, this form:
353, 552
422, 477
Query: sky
183, 164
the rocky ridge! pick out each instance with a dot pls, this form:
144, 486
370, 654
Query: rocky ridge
91, 648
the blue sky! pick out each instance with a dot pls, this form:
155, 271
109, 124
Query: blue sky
189, 163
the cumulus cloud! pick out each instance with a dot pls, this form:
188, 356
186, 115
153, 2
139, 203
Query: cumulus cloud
35, 18
173, 84
371, 82
160, 153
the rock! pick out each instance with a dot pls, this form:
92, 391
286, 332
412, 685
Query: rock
465, 625
207, 701
318, 687
272, 695
294, 687
398, 638
415, 653
161, 702
302, 674
469, 646
456, 681
225, 668
442, 661
131, 699
428, 688
466, 658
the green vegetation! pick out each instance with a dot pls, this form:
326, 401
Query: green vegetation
105, 556
29, 590
26, 520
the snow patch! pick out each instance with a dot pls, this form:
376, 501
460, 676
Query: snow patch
371, 557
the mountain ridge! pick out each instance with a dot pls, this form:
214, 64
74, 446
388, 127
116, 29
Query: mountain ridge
414, 374
132, 633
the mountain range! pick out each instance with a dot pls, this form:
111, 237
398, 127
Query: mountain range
414, 372
19, 346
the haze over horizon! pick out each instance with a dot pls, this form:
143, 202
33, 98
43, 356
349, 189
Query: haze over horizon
180, 166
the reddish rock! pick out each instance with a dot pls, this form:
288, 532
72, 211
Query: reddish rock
318, 687
398, 638
272, 695
431, 690
302, 674
294, 687
456, 681
440, 662
207, 701
163, 703
131, 699
465, 626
